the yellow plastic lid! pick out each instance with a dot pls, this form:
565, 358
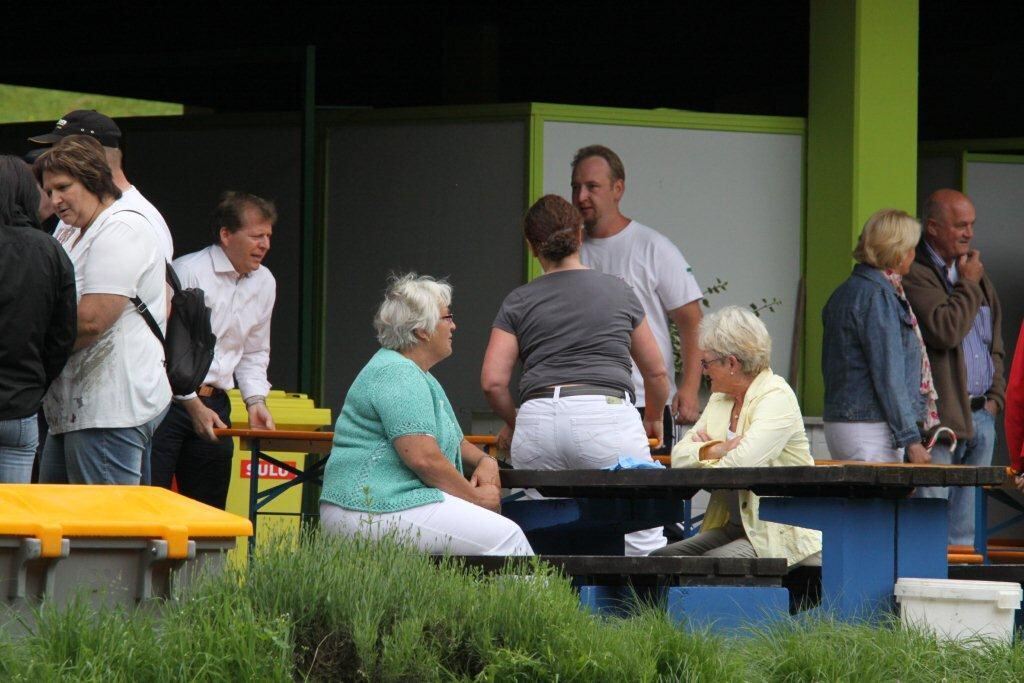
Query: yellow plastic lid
293, 419
51, 512
272, 394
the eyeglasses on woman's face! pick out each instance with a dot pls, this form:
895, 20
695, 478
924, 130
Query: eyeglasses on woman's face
450, 317
705, 363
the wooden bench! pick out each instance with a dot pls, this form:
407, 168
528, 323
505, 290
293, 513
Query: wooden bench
720, 593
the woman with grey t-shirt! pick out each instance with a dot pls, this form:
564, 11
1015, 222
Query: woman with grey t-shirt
574, 330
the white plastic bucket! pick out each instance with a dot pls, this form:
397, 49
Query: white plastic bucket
959, 610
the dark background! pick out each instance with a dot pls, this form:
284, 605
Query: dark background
716, 56
237, 66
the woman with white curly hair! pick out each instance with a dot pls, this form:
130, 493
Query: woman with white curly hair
398, 456
752, 420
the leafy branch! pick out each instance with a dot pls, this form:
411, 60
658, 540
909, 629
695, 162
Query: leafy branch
717, 288
765, 306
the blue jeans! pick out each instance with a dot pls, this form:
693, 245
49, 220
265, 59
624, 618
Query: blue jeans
18, 439
99, 456
976, 451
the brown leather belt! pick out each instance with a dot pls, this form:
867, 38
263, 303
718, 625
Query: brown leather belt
206, 391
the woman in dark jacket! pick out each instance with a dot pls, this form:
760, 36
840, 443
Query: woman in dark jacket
878, 384
37, 305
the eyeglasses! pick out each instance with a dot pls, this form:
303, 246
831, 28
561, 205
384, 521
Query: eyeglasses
450, 317
705, 364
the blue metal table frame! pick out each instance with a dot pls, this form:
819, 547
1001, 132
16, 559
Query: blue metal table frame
1007, 496
873, 532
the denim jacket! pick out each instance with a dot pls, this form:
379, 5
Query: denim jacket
871, 358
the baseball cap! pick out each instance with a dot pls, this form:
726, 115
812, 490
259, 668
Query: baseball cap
83, 122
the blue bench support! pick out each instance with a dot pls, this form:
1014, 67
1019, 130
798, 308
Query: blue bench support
867, 544
718, 608
715, 592
723, 609
982, 531
609, 601
922, 536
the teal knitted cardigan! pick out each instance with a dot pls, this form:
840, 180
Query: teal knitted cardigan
391, 397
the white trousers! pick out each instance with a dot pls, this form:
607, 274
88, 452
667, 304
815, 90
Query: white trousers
452, 526
583, 433
864, 441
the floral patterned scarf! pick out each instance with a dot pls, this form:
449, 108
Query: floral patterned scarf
931, 412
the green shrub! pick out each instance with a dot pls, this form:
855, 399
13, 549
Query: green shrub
354, 610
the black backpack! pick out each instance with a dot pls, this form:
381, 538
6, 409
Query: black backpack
190, 341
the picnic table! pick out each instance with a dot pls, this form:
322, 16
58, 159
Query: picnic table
873, 532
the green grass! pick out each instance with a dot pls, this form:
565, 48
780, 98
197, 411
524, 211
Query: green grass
359, 611
20, 103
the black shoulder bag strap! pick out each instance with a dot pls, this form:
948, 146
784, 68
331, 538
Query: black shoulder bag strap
143, 310
140, 305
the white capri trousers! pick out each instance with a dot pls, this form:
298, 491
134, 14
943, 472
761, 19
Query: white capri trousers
583, 433
453, 526
864, 441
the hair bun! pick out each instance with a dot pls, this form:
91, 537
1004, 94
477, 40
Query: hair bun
560, 244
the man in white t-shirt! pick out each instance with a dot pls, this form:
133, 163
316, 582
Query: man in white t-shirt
94, 124
649, 262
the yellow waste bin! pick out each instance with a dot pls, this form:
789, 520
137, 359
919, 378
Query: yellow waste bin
108, 545
292, 412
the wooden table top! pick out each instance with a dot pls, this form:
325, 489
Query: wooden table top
825, 478
840, 480
281, 441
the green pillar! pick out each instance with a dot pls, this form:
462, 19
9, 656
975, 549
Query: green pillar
861, 144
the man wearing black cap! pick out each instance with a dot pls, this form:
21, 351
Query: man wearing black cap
91, 122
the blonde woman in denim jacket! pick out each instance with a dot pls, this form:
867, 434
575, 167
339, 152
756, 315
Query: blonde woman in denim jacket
877, 379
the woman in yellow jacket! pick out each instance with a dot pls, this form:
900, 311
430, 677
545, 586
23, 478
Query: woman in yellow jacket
751, 420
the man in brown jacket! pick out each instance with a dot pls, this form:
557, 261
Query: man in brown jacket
959, 314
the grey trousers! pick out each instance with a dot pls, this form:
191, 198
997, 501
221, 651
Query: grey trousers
727, 541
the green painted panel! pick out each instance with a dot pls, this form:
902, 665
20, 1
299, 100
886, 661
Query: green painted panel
534, 186
994, 158
663, 118
979, 145
861, 143
885, 121
670, 118
830, 165
963, 171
